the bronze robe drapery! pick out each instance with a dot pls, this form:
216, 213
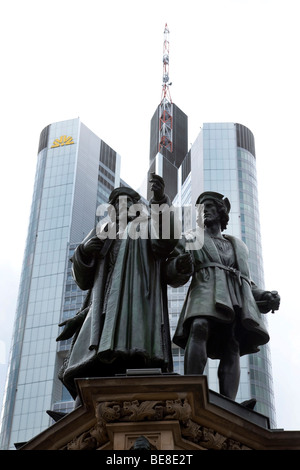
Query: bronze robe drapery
126, 324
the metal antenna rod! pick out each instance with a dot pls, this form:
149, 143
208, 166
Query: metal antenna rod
166, 107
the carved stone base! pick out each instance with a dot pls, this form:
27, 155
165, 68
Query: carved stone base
163, 412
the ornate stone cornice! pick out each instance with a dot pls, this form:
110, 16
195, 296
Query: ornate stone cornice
151, 410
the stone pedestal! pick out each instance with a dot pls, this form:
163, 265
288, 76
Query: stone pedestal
161, 413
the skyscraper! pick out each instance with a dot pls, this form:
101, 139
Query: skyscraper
166, 155
168, 134
223, 159
75, 172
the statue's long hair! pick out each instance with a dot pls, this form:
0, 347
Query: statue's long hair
222, 211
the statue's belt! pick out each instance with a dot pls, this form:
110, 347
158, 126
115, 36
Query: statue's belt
229, 269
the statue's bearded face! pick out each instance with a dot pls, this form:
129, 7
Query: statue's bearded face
122, 205
210, 213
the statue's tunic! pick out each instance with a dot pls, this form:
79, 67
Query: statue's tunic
220, 290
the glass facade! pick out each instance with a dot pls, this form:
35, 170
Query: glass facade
65, 198
222, 159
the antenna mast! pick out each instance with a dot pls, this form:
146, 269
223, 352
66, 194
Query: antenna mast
166, 50
166, 107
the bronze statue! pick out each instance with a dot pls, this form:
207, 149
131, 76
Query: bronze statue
221, 316
124, 321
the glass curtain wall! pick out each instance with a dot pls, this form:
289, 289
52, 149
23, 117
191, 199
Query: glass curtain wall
75, 172
30, 378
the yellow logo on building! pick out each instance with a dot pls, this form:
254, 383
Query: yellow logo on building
63, 140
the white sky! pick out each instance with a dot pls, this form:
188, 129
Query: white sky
230, 61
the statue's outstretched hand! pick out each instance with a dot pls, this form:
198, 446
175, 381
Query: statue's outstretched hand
270, 301
157, 186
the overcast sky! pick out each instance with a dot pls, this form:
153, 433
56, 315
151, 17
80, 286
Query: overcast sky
230, 61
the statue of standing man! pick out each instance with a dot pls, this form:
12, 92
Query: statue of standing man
124, 323
221, 315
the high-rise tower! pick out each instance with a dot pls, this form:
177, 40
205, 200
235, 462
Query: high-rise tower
169, 132
76, 171
223, 159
